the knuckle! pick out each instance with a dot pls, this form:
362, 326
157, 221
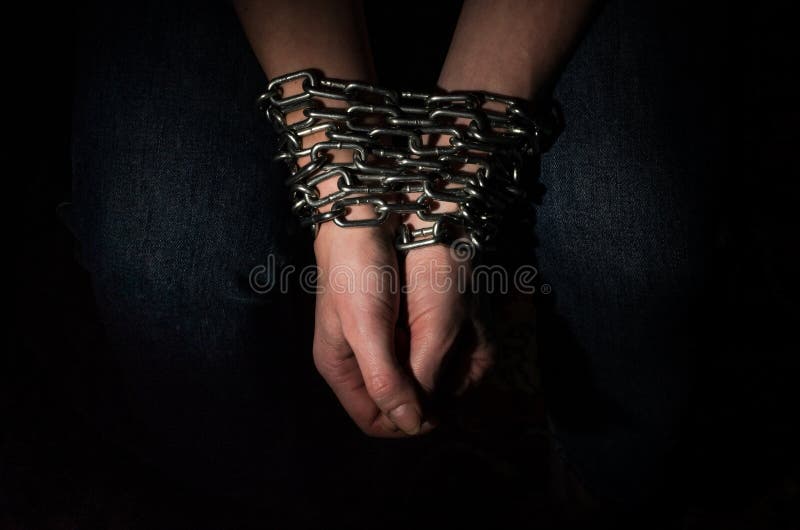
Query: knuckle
338, 373
328, 367
321, 361
325, 361
323, 365
383, 388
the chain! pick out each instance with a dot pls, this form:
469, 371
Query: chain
458, 190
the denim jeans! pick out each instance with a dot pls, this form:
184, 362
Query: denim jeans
176, 201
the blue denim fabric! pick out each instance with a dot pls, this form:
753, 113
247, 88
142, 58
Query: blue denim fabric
176, 202
624, 232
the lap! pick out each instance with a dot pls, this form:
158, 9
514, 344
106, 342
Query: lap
622, 231
176, 202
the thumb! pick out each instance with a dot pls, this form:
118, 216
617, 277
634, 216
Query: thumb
369, 327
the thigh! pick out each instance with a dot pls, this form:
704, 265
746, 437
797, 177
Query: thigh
623, 234
176, 203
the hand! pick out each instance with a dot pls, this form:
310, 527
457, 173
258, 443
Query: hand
449, 349
355, 343
354, 334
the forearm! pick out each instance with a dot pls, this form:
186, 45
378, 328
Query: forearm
511, 47
290, 35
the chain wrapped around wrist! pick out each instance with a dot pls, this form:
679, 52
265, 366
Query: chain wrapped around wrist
459, 190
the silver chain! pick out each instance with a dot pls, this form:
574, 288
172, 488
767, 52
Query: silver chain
479, 173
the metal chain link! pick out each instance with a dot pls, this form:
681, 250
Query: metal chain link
461, 189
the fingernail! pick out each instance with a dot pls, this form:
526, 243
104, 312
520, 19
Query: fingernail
388, 424
407, 418
427, 426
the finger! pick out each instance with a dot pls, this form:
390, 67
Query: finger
480, 360
336, 363
368, 322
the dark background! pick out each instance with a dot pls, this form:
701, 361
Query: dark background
741, 460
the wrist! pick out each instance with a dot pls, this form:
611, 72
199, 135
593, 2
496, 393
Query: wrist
391, 174
509, 85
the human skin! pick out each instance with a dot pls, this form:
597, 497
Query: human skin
381, 378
